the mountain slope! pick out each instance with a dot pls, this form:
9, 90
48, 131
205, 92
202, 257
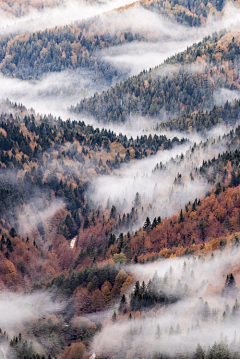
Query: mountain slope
183, 84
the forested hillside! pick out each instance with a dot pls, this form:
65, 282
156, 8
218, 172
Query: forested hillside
28, 56
203, 121
192, 13
120, 239
21, 8
183, 84
32, 159
46, 165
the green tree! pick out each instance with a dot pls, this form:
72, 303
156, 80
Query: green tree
114, 317
199, 353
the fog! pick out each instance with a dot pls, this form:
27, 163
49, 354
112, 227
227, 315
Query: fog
28, 220
55, 92
155, 179
201, 280
194, 316
67, 12
35, 211
58, 91
18, 308
222, 95
136, 57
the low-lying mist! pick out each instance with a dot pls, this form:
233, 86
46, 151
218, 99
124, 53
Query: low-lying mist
197, 307
58, 91
18, 308
19, 311
139, 56
164, 189
66, 12
55, 92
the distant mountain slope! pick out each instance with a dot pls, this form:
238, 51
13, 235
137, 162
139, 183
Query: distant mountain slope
183, 84
192, 13
202, 221
30, 56
21, 7
45, 167
228, 114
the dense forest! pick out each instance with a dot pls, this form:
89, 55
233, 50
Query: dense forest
29, 56
115, 245
21, 7
202, 121
191, 13
183, 84
32, 55
46, 167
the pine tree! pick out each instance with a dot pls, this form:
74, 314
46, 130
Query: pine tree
147, 224
13, 232
86, 223
181, 218
154, 223
199, 353
123, 302
158, 333
114, 317
137, 200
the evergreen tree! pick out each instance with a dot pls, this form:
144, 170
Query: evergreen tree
147, 224
181, 218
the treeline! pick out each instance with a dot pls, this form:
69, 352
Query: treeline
68, 149
216, 170
190, 13
188, 232
156, 293
76, 46
218, 350
90, 289
203, 121
18, 348
30, 56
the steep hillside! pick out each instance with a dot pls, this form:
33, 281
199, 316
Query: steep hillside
215, 216
203, 121
30, 56
183, 84
21, 7
192, 13
45, 168
112, 246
